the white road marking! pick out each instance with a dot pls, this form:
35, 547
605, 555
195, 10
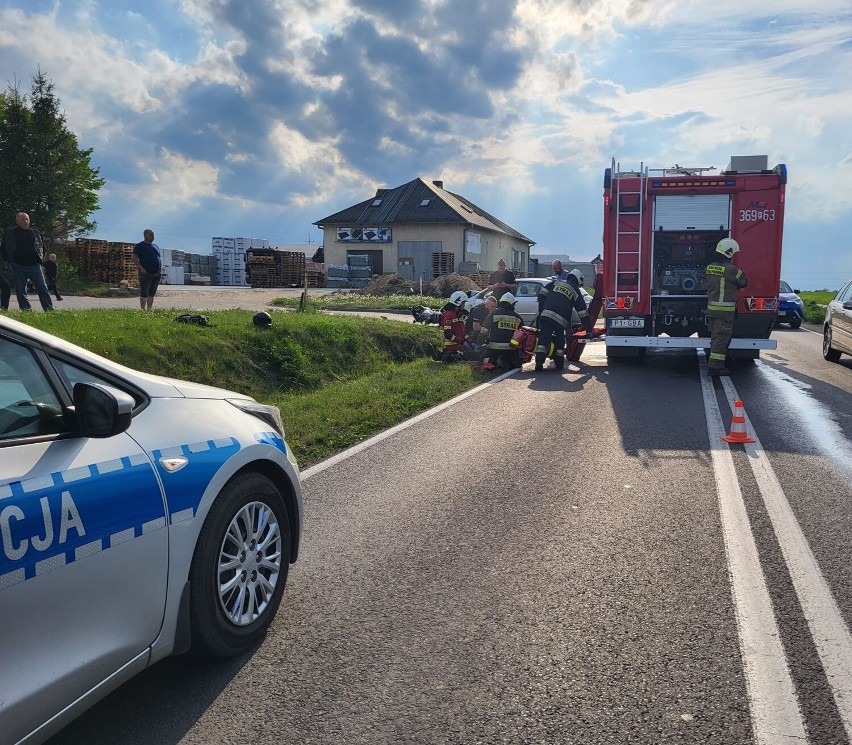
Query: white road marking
775, 713
829, 631
355, 449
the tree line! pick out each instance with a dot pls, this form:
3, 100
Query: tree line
43, 170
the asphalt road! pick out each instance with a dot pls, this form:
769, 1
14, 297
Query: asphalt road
558, 558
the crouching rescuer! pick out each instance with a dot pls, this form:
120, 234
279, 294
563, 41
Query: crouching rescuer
556, 300
723, 282
457, 344
499, 347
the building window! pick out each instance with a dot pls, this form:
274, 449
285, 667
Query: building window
425, 202
376, 202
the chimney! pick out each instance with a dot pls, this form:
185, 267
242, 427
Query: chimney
381, 192
439, 184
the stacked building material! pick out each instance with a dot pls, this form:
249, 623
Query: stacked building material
104, 261
443, 263
269, 268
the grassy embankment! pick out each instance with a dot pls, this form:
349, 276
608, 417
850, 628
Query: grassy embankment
815, 303
336, 379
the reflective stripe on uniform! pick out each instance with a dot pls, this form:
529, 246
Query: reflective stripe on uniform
553, 316
723, 307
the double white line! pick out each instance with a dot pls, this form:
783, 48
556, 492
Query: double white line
775, 711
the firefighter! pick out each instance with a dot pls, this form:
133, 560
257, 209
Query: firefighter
456, 339
723, 281
497, 332
556, 300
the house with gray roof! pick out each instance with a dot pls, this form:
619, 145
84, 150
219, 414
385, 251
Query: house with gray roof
421, 231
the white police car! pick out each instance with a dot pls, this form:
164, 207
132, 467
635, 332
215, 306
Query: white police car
139, 516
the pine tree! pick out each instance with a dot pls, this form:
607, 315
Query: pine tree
44, 172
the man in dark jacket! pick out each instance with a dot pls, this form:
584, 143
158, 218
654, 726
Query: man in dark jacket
723, 281
497, 333
51, 272
5, 289
556, 300
23, 248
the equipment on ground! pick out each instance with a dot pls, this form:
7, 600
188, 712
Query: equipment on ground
262, 319
662, 227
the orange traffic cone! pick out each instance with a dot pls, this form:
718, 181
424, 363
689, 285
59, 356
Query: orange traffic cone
739, 433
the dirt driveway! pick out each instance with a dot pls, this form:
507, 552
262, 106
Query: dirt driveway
198, 299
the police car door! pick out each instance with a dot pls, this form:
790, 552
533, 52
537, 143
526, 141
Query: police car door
83, 548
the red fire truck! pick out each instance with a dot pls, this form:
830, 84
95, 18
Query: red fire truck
661, 227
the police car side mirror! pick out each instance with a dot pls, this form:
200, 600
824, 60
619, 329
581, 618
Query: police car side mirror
102, 411
847, 305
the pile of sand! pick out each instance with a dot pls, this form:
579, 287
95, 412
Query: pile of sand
396, 284
389, 284
447, 284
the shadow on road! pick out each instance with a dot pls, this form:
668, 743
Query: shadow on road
168, 698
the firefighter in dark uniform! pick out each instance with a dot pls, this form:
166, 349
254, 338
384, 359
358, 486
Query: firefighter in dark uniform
556, 300
497, 332
456, 339
723, 281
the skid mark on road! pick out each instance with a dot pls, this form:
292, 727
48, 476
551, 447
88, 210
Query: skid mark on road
829, 631
775, 713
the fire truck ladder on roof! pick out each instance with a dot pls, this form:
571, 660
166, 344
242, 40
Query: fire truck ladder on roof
628, 230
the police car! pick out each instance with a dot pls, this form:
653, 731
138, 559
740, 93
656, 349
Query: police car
139, 517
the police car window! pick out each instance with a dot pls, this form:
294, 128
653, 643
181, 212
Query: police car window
74, 375
845, 294
28, 405
526, 288
785, 287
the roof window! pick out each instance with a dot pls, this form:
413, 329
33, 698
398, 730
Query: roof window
376, 202
425, 202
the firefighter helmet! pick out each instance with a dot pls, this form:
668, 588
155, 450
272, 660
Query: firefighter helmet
458, 298
579, 275
508, 297
727, 247
262, 319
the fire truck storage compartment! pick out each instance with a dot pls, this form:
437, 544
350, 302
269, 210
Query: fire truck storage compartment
687, 228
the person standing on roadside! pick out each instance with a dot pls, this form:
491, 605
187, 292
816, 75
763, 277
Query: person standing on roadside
51, 271
5, 288
146, 256
502, 281
23, 248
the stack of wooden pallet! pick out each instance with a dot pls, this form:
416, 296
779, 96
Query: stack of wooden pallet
443, 263
104, 261
291, 267
278, 269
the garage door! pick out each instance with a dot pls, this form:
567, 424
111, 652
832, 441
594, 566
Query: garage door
692, 212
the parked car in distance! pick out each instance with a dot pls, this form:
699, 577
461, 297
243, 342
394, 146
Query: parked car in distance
791, 309
140, 517
527, 297
837, 328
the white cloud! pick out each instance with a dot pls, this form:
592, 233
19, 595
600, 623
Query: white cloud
176, 182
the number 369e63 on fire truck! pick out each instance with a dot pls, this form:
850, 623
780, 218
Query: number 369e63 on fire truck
661, 227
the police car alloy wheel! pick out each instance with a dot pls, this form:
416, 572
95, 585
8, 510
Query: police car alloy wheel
240, 566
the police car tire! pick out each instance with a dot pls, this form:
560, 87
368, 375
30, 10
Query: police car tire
213, 633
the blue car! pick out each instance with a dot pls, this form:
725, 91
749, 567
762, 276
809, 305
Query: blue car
791, 309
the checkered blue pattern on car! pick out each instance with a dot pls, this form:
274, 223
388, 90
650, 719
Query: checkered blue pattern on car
52, 520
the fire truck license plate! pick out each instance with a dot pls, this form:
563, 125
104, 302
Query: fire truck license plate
626, 323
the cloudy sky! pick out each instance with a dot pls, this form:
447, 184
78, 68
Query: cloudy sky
258, 117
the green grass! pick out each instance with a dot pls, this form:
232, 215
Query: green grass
815, 303
337, 379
